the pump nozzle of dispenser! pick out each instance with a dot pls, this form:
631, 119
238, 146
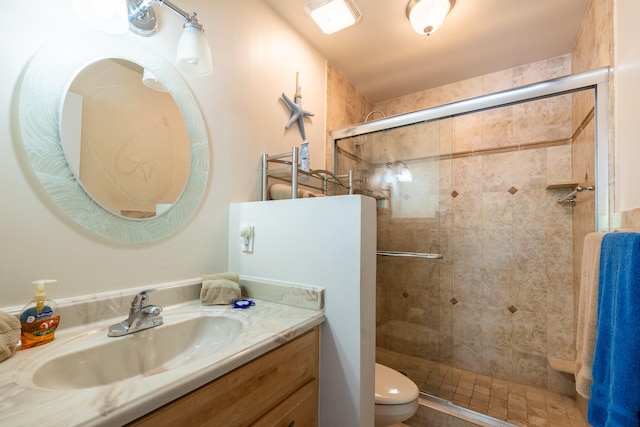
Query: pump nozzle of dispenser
41, 295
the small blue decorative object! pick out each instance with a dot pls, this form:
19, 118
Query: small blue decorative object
243, 303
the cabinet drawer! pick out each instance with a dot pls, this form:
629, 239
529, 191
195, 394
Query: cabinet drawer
298, 410
246, 394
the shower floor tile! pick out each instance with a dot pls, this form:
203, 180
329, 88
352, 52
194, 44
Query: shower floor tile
514, 403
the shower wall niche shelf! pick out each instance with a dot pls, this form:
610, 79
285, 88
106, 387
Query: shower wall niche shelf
561, 185
285, 169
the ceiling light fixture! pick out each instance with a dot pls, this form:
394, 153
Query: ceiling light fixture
116, 16
333, 15
426, 16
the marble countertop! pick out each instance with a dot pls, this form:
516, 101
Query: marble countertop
267, 325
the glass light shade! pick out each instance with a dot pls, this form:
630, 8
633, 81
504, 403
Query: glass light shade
426, 16
110, 16
332, 15
194, 54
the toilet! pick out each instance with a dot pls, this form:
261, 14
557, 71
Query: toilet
396, 397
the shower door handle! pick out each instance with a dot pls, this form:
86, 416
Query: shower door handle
410, 254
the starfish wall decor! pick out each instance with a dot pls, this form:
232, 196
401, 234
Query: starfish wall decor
297, 112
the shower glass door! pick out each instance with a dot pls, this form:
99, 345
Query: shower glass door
481, 188
405, 169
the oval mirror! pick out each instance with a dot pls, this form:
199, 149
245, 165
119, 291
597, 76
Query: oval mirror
53, 70
126, 143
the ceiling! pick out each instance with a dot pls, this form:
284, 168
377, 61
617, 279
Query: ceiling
384, 58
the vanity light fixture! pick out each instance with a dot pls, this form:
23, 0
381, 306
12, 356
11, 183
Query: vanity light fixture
333, 15
138, 16
426, 16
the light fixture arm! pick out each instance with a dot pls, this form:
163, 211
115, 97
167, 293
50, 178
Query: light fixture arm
188, 18
142, 18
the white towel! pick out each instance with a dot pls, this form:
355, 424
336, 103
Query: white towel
587, 313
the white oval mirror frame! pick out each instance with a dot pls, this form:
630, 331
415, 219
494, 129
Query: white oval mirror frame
43, 84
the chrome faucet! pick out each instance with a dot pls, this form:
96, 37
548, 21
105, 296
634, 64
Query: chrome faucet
142, 315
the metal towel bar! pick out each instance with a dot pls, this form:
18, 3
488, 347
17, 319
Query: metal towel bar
409, 254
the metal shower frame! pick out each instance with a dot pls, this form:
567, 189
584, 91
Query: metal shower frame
597, 79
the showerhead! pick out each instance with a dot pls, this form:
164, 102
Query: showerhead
359, 144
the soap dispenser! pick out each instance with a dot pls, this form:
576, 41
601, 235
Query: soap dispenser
39, 319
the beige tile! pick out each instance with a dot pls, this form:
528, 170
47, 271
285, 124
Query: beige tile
479, 406
497, 172
517, 416
463, 391
497, 210
559, 168
530, 169
536, 395
497, 248
535, 421
484, 381
537, 409
481, 392
461, 400
497, 128
465, 129
530, 336
559, 420
516, 402
497, 409
499, 391
467, 174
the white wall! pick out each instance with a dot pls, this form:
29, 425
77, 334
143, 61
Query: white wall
627, 94
291, 241
256, 57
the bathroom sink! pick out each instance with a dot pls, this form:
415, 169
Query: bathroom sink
101, 360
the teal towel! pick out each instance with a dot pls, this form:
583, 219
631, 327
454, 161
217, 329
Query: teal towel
615, 391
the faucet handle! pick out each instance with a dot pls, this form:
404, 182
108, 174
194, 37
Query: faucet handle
141, 299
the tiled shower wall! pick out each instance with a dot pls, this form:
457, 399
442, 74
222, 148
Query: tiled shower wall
503, 296
501, 301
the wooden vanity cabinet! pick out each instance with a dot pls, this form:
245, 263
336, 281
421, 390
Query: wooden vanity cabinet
279, 388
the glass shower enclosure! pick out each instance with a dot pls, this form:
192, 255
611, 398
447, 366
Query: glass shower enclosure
475, 254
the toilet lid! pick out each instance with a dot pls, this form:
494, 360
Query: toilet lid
393, 388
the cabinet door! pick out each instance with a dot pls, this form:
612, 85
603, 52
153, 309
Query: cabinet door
248, 393
298, 410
